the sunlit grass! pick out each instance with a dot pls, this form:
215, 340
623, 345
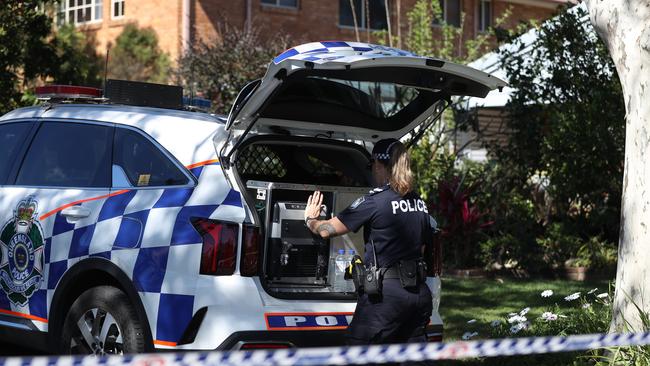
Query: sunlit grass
488, 299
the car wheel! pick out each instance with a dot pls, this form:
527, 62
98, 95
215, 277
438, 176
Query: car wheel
102, 321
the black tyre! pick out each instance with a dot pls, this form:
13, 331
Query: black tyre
102, 321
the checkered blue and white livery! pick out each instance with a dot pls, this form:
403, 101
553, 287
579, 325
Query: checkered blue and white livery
356, 355
346, 52
145, 232
132, 229
134, 232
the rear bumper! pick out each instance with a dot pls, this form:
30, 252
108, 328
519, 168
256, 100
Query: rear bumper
240, 317
296, 338
290, 338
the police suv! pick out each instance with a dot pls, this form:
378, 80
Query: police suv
126, 228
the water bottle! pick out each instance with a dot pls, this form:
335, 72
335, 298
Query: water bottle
339, 272
349, 283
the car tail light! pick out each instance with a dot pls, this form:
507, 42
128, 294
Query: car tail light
219, 253
251, 251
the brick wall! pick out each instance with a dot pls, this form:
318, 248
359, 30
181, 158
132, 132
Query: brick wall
313, 20
316, 20
164, 16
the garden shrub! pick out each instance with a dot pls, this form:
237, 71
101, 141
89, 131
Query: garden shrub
558, 245
460, 220
510, 252
137, 56
217, 69
79, 63
511, 240
567, 122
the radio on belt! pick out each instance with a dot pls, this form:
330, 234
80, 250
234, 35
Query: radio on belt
298, 252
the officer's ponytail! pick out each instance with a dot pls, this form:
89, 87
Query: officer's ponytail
400, 175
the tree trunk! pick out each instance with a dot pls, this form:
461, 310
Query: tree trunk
390, 36
354, 19
367, 9
624, 26
398, 14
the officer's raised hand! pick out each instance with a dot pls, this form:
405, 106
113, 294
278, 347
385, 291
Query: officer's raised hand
324, 228
314, 203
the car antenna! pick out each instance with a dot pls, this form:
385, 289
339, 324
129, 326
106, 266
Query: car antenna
192, 82
108, 49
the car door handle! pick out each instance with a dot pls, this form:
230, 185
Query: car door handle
75, 212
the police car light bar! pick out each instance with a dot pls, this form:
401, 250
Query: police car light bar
200, 104
67, 92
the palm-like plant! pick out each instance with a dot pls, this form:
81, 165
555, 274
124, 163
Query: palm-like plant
461, 221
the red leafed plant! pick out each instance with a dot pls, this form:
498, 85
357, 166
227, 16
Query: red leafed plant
460, 221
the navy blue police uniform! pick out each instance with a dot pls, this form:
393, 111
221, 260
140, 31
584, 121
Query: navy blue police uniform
398, 227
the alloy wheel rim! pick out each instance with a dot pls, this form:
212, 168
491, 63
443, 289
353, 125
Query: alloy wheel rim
98, 333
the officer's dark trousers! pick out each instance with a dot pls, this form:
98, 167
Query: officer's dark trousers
398, 317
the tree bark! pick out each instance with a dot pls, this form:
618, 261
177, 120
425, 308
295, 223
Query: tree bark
398, 15
624, 26
390, 36
354, 19
367, 9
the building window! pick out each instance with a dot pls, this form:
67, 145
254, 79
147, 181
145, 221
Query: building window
451, 12
281, 3
117, 9
79, 11
375, 14
484, 15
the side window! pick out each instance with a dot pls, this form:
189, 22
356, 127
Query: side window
66, 154
12, 138
258, 161
137, 162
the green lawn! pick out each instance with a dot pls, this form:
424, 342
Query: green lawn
489, 299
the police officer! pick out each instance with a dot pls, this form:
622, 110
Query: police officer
396, 228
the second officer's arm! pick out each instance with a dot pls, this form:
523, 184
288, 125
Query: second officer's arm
324, 228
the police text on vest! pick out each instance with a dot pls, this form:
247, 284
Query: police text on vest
410, 205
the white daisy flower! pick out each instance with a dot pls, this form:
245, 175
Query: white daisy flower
524, 311
495, 323
471, 321
603, 295
517, 319
548, 316
467, 335
592, 291
573, 296
586, 305
547, 293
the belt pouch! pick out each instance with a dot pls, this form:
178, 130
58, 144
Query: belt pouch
408, 273
357, 273
372, 282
